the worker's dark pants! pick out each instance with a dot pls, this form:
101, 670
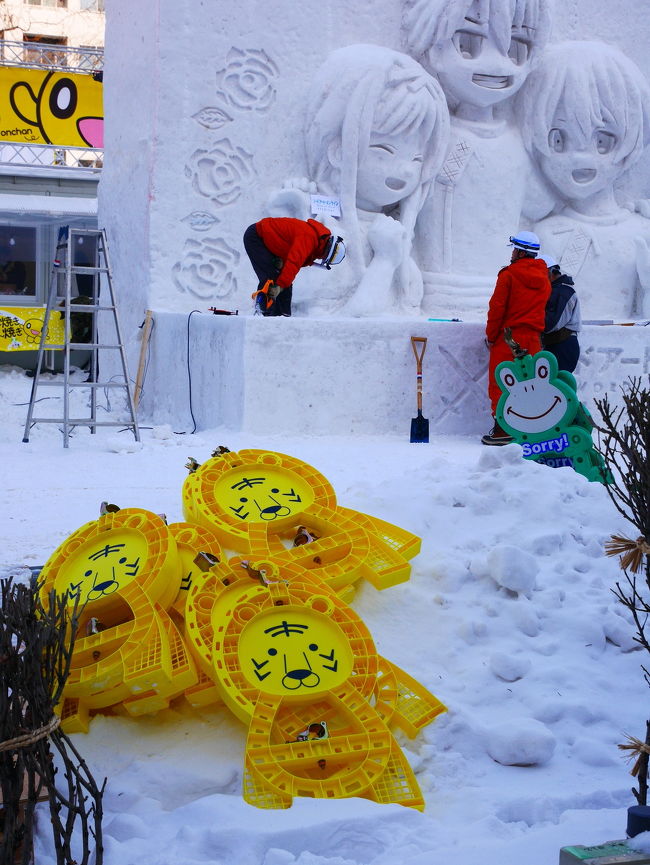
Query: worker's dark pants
566, 352
266, 266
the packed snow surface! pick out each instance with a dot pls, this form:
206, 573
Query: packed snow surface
508, 618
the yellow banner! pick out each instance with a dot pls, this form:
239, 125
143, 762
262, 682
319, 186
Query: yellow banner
21, 327
44, 107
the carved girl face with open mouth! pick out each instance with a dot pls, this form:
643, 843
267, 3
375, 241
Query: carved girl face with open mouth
390, 170
581, 162
475, 69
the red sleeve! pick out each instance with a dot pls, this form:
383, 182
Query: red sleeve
498, 306
302, 248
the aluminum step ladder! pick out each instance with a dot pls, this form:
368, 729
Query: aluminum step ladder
81, 261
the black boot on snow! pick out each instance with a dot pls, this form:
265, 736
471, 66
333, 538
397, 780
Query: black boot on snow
497, 436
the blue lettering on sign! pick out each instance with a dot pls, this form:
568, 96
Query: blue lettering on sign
555, 445
556, 462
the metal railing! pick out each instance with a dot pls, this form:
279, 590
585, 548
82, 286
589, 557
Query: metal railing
50, 56
50, 156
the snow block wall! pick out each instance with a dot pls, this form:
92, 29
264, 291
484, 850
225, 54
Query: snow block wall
346, 377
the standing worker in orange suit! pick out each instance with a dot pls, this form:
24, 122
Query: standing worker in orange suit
519, 303
278, 248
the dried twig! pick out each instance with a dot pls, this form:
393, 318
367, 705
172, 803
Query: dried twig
36, 643
624, 444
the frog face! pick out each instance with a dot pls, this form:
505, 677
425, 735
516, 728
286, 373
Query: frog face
294, 651
535, 404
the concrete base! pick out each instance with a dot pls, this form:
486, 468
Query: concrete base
344, 377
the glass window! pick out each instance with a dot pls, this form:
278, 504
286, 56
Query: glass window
85, 254
18, 261
60, 4
44, 54
93, 5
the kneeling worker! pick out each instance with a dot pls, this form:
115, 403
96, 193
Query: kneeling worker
278, 248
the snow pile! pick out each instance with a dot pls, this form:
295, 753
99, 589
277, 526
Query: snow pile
508, 618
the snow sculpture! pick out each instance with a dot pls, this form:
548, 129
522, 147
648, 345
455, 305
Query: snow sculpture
222, 173
481, 51
588, 123
376, 131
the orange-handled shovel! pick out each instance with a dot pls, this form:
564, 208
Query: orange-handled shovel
419, 424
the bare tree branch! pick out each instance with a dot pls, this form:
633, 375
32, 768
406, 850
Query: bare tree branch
36, 642
624, 444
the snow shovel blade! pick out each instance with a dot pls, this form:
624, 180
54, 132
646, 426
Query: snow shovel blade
420, 428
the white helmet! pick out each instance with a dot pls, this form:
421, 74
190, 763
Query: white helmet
334, 252
549, 261
525, 240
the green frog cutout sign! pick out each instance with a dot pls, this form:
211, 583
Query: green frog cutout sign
540, 409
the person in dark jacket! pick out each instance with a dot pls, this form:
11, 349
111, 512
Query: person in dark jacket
279, 247
519, 303
563, 319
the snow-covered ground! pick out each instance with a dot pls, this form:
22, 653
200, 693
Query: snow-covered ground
508, 618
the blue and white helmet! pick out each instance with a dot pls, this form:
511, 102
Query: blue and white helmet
334, 252
526, 240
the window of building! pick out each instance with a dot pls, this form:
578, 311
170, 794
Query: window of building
18, 261
44, 54
60, 4
93, 5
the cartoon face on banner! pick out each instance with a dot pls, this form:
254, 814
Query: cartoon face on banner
534, 401
294, 651
20, 329
51, 107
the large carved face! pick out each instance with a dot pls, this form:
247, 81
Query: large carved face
475, 69
581, 162
390, 170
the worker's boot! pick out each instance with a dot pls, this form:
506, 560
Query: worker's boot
497, 436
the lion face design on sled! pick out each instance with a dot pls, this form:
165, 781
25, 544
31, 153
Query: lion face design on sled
294, 654
296, 664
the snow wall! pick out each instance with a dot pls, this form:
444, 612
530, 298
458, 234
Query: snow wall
439, 127
343, 377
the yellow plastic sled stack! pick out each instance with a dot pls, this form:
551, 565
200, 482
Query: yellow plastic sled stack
247, 602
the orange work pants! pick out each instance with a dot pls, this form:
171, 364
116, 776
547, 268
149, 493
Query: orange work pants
500, 351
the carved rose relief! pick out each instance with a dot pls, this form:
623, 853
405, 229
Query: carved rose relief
247, 81
221, 172
206, 268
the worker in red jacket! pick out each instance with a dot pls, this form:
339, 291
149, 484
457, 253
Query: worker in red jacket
278, 248
519, 303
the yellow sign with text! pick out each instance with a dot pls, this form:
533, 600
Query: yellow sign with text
21, 327
46, 107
